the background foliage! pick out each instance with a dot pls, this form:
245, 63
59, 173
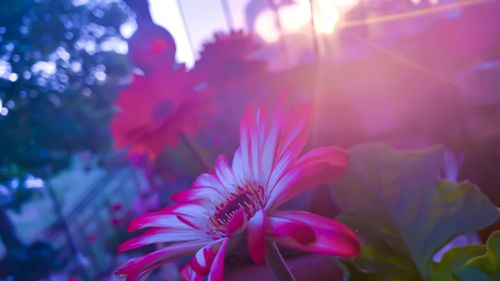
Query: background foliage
62, 73
404, 213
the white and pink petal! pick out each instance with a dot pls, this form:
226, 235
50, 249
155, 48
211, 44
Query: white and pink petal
187, 273
319, 166
209, 180
198, 193
217, 268
137, 269
156, 219
255, 234
161, 235
225, 174
168, 217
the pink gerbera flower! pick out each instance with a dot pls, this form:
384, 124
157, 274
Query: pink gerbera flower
240, 200
157, 108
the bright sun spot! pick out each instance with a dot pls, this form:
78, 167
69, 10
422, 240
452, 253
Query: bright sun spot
297, 16
263, 26
326, 15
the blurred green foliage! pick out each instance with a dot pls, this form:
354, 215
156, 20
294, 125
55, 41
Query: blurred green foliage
472, 262
63, 62
61, 65
485, 266
404, 213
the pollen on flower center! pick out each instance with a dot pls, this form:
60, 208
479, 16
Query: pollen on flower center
247, 198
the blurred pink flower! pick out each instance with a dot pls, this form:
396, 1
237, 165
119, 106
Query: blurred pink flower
116, 207
92, 237
116, 221
156, 108
145, 203
151, 46
241, 200
227, 59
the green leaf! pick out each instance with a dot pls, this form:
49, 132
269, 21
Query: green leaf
403, 212
453, 259
483, 267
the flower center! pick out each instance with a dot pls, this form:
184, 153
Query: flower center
247, 198
162, 110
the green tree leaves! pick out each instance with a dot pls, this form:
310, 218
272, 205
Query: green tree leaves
62, 75
404, 213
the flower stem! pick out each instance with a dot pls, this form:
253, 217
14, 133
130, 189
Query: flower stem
195, 152
277, 263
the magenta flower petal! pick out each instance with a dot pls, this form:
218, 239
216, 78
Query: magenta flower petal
217, 269
208, 180
139, 268
293, 128
331, 236
236, 222
203, 259
159, 235
201, 263
167, 217
256, 237
155, 219
264, 147
198, 193
224, 173
187, 273
316, 167
301, 232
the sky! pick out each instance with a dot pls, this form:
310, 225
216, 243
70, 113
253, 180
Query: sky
202, 18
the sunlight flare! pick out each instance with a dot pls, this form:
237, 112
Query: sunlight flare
296, 17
